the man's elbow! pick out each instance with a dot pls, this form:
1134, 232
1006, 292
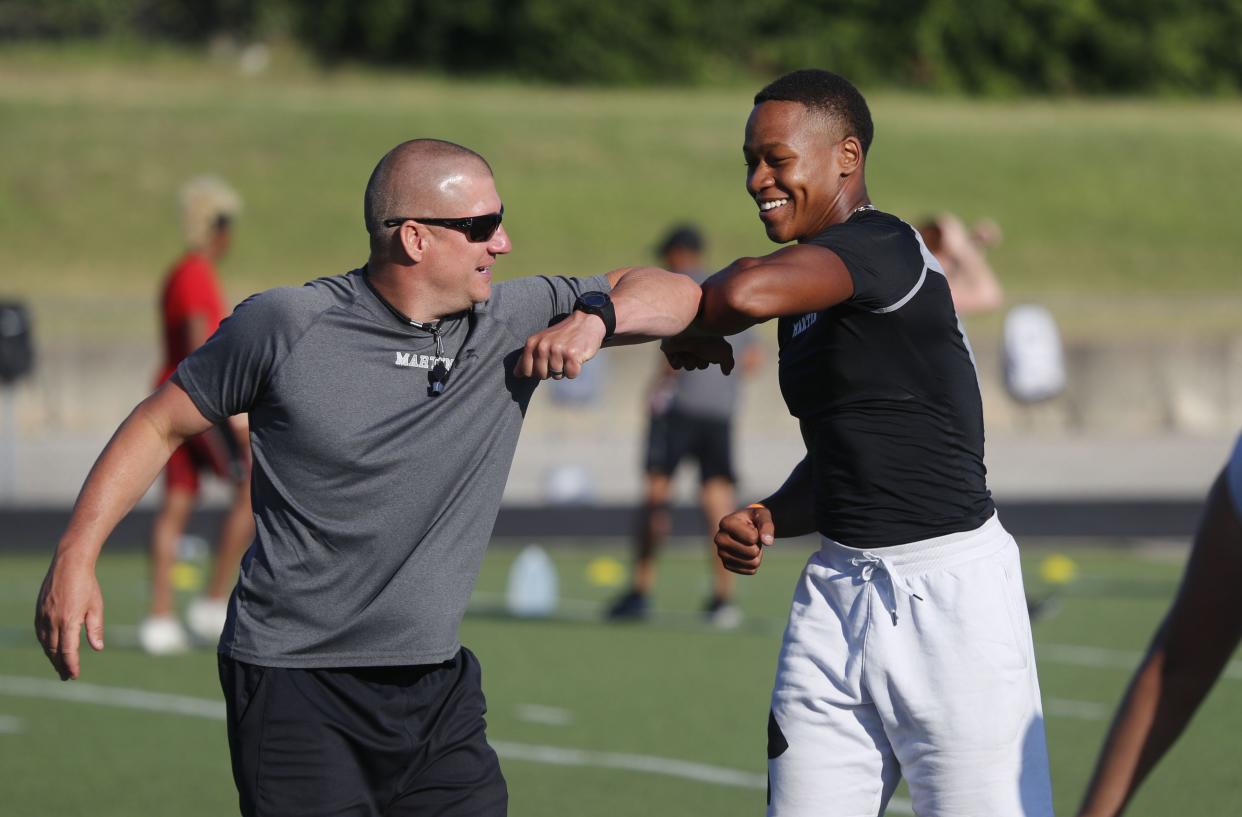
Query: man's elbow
677, 299
170, 414
152, 414
690, 295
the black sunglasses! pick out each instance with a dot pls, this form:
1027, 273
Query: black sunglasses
476, 228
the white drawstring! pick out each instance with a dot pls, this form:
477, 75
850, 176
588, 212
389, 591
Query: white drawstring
869, 562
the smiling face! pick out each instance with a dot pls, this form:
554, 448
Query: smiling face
802, 176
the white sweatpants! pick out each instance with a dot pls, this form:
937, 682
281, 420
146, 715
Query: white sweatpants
913, 661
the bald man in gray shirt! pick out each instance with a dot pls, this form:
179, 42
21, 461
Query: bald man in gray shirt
385, 406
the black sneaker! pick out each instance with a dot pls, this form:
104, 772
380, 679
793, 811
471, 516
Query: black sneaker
722, 613
630, 607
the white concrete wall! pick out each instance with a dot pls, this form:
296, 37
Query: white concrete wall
1146, 420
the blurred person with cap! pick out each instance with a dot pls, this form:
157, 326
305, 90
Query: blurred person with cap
1188, 653
689, 414
385, 405
192, 305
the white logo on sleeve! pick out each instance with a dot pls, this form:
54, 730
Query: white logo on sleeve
804, 323
412, 360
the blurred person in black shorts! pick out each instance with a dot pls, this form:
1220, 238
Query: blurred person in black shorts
690, 415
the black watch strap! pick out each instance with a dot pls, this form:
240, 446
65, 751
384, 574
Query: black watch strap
599, 303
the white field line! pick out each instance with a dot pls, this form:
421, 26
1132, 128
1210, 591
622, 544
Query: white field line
1077, 710
1103, 657
560, 756
79, 692
548, 715
10, 725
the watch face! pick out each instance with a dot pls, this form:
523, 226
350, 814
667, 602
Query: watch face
594, 300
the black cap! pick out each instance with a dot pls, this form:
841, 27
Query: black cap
683, 236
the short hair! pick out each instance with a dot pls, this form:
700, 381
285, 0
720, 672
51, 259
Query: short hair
683, 236
208, 205
828, 93
381, 194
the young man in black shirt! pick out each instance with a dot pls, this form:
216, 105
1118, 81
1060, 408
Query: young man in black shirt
908, 650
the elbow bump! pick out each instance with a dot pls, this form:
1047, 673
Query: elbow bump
740, 293
742, 300
691, 286
691, 293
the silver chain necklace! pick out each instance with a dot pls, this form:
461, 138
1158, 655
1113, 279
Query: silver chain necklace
860, 208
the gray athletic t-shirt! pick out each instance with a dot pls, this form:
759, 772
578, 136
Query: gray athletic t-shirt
373, 500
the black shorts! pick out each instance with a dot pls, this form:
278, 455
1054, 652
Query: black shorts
371, 741
673, 436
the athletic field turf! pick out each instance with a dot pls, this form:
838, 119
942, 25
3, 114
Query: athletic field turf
666, 718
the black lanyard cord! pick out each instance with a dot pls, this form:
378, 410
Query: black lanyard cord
437, 377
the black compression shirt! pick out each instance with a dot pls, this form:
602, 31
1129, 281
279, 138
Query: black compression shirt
884, 387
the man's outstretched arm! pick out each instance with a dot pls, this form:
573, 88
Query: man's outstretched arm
1187, 655
70, 596
649, 302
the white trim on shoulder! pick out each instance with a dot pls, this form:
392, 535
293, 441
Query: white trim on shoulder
917, 286
930, 262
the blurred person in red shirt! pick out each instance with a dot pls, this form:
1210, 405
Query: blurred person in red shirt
191, 307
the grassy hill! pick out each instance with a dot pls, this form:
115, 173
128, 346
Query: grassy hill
1124, 203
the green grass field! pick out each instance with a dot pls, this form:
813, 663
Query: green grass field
1124, 203
590, 719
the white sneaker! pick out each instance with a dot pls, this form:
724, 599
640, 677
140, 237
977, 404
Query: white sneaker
162, 635
206, 617
723, 615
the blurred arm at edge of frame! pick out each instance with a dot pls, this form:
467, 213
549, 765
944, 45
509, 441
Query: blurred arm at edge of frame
1188, 653
70, 596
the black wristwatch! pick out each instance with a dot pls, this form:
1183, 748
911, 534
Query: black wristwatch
598, 303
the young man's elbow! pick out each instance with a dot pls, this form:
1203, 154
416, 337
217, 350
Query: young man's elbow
727, 308
744, 301
746, 305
